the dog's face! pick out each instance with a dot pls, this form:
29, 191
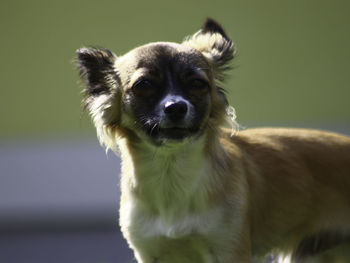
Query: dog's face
166, 91
160, 92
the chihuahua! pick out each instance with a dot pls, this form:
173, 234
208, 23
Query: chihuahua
193, 191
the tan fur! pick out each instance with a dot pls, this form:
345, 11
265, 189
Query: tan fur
214, 197
299, 183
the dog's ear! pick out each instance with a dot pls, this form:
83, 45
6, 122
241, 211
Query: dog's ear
215, 45
96, 68
102, 92
212, 41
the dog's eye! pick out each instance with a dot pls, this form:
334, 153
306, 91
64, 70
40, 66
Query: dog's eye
144, 88
198, 86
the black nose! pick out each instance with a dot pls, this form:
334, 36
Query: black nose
175, 110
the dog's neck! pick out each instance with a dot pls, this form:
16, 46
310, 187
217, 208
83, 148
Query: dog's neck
168, 179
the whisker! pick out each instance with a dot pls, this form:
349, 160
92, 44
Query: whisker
154, 126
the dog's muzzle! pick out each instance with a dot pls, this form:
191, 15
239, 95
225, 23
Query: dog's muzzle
176, 121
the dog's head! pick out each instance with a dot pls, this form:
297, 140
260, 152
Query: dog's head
160, 92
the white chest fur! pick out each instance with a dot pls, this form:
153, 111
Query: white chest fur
147, 226
165, 194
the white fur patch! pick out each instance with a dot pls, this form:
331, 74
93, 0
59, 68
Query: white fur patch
153, 226
206, 43
231, 119
284, 259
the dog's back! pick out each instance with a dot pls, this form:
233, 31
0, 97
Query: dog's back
299, 187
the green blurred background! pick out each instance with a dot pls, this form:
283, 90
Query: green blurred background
292, 66
292, 69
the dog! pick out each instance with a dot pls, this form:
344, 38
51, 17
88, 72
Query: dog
195, 191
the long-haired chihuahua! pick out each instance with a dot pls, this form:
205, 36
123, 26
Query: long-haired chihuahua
193, 191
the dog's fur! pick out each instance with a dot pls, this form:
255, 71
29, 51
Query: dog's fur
191, 190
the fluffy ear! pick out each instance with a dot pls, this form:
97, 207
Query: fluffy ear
96, 68
215, 45
102, 92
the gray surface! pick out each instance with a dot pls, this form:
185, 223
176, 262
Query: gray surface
58, 182
64, 247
